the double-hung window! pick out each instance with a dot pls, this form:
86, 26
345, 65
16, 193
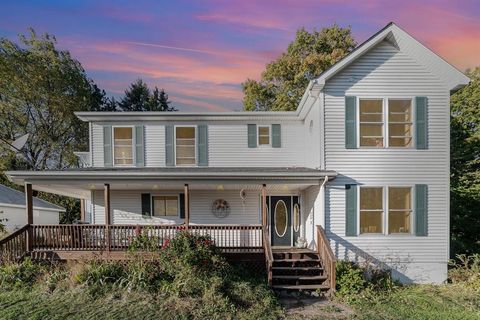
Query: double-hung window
380, 118
400, 123
185, 146
123, 146
165, 206
387, 208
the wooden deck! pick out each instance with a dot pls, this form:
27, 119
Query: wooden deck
239, 243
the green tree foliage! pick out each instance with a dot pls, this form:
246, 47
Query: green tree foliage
284, 80
40, 89
465, 166
138, 97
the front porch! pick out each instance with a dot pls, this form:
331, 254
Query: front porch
266, 207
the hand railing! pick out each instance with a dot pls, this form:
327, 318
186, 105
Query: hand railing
326, 255
14, 246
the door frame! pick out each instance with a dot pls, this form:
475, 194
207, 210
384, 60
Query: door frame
269, 215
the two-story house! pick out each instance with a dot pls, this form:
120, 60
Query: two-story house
365, 157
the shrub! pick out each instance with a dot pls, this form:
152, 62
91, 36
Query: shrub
21, 273
145, 241
466, 270
350, 278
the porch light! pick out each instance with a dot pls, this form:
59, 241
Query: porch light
285, 187
220, 187
91, 187
155, 186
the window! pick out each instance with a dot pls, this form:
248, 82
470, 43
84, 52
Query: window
123, 146
185, 146
371, 210
165, 206
263, 135
371, 123
400, 123
399, 209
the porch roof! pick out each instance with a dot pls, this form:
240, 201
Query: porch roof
79, 182
177, 173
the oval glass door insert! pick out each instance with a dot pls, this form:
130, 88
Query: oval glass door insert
296, 217
281, 218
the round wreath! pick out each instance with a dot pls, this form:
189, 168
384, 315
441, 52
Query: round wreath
220, 208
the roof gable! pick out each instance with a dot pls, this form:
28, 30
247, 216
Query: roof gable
452, 77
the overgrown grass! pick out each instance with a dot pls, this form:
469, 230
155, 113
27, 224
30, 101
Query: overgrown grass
186, 278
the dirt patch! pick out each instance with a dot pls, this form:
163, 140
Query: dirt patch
308, 307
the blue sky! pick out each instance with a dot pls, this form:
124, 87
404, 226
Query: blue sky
201, 51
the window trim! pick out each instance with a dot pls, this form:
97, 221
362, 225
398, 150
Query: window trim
386, 208
385, 131
269, 126
195, 144
134, 156
164, 195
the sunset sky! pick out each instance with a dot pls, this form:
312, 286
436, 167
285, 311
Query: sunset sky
201, 51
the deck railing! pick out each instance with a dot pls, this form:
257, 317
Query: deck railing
120, 237
326, 255
14, 246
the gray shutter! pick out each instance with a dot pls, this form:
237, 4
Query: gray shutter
252, 135
146, 204
181, 198
169, 146
107, 146
139, 146
421, 210
276, 136
202, 145
421, 126
350, 210
350, 122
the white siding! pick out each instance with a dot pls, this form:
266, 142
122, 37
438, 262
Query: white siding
97, 145
154, 145
17, 217
227, 145
126, 208
387, 72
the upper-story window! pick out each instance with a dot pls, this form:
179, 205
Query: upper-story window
123, 146
371, 123
263, 135
185, 145
375, 125
400, 122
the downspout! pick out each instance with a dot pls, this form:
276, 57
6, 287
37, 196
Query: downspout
322, 196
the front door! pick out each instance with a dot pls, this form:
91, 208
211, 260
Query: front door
281, 220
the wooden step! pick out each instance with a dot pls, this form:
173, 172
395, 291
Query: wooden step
298, 268
293, 250
296, 260
322, 277
301, 287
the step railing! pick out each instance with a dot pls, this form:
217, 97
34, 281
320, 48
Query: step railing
326, 255
14, 246
268, 255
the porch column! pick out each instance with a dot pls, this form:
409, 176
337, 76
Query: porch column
29, 209
187, 205
107, 215
264, 205
82, 210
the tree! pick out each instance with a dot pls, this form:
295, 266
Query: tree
159, 101
137, 97
465, 166
40, 89
284, 80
